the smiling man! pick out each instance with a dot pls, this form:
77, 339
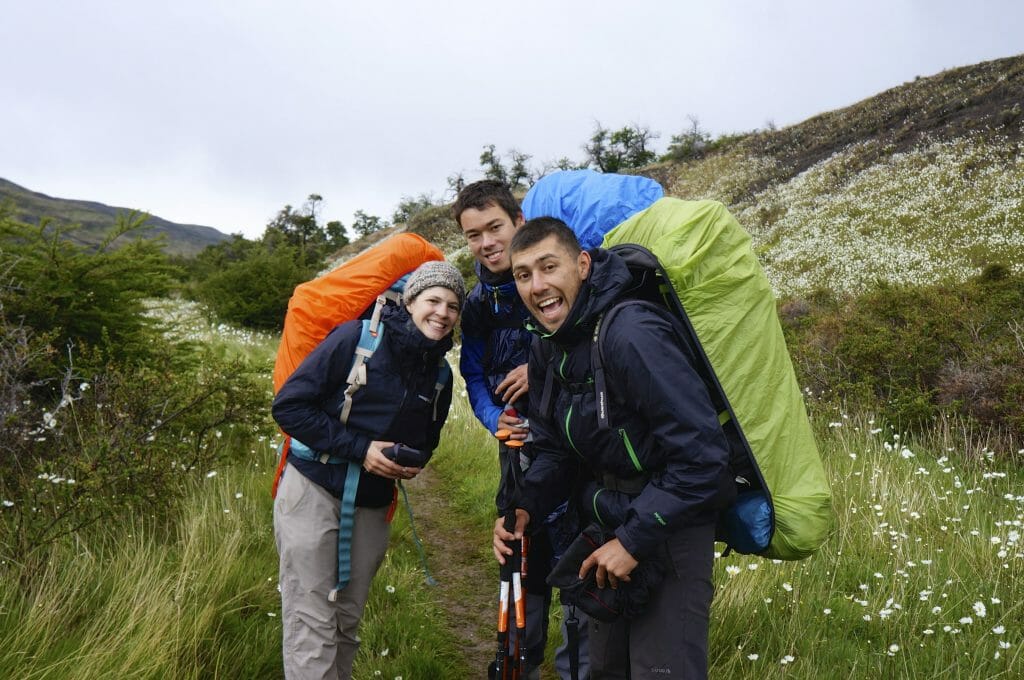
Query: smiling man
495, 349
665, 450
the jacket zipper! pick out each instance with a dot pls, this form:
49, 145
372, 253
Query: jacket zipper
629, 449
568, 418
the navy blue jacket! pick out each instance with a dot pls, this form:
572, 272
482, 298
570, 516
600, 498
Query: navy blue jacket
396, 404
494, 341
664, 427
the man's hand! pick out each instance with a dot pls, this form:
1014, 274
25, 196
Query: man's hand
613, 562
501, 537
514, 386
514, 424
382, 466
509, 390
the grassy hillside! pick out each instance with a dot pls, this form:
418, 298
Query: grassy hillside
96, 219
919, 184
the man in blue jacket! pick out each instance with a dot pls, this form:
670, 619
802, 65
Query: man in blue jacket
495, 350
665, 448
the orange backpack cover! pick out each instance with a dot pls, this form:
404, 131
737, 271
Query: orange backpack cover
317, 306
340, 295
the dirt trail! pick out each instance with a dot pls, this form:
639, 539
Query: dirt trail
467, 577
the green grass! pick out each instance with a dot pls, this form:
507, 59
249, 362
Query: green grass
922, 577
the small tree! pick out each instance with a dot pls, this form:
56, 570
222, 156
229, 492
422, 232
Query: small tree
494, 169
519, 174
84, 298
624, 149
254, 292
408, 207
364, 225
456, 182
336, 236
689, 144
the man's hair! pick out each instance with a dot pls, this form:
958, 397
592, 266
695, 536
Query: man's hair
538, 229
479, 195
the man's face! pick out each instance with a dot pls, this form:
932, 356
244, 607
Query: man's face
548, 277
488, 233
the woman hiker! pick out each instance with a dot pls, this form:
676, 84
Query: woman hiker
404, 399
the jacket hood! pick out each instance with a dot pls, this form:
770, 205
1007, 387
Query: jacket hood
413, 346
608, 279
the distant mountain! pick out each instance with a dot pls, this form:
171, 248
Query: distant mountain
96, 219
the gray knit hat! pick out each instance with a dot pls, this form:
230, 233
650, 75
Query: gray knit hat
435, 273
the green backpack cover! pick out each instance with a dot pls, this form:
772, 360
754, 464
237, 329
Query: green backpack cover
726, 302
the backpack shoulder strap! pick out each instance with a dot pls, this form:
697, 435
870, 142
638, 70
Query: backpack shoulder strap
680, 326
369, 339
549, 378
597, 356
444, 376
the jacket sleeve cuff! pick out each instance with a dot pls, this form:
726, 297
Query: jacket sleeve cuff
628, 542
357, 449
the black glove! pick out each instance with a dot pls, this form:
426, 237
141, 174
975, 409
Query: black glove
604, 604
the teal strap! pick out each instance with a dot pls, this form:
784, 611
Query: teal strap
444, 376
369, 339
415, 538
346, 521
300, 450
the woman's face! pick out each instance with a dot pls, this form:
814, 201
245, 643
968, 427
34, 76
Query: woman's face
434, 311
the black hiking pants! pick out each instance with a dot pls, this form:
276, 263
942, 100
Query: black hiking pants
670, 638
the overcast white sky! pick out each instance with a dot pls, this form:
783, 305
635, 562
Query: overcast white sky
219, 113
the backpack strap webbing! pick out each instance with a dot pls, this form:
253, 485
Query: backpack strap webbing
444, 376
369, 339
549, 381
597, 360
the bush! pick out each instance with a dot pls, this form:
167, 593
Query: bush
437, 225
91, 300
99, 412
918, 351
254, 291
124, 439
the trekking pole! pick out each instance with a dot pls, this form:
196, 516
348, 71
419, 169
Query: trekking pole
572, 642
519, 572
502, 666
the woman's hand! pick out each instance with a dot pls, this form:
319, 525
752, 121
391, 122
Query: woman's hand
377, 463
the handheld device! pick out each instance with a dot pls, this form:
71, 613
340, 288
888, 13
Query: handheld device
407, 456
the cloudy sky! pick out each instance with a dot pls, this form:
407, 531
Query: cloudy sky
219, 113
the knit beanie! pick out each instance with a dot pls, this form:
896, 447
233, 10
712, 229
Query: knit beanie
435, 273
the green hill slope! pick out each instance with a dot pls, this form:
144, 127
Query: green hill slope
96, 219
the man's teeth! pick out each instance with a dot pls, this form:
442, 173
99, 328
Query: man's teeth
547, 303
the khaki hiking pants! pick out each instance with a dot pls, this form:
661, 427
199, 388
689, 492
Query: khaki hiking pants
320, 637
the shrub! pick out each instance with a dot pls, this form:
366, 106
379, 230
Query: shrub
916, 352
254, 291
124, 439
99, 411
88, 299
437, 225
